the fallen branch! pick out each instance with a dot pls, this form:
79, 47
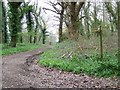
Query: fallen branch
63, 56
69, 55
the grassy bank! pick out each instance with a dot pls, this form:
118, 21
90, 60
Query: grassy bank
21, 47
67, 56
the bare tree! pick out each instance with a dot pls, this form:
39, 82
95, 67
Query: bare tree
60, 12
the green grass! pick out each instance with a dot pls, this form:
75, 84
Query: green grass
78, 63
21, 47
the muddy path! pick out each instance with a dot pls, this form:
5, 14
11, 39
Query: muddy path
22, 71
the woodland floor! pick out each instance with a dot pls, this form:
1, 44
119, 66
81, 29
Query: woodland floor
22, 71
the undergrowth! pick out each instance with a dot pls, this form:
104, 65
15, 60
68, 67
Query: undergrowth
79, 63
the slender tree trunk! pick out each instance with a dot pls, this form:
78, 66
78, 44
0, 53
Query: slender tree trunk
81, 26
95, 19
86, 12
20, 30
101, 44
4, 24
35, 37
111, 26
21, 39
39, 38
61, 23
0, 23
88, 32
118, 26
29, 25
119, 35
44, 36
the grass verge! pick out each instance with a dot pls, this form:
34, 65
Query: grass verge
21, 47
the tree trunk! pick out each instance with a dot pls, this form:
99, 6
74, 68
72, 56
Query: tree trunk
74, 12
21, 39
73, 20
61, 23
0, 23
35, 37
4, 24
44, 36
118, 26
29, 25
20, 29
73, 31
14, 23
101, 44
15, 30
95, 20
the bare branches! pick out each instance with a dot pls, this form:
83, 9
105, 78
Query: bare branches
51, 10
79, 7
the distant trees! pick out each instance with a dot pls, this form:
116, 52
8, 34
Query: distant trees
89, 20
16, 12
35, 23
29, 22
113, 11
60, 12
71, 10
77, 16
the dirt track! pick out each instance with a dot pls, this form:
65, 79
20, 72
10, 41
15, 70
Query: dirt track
19, 74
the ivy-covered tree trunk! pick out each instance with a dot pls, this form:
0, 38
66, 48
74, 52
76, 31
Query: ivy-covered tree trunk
35, 37
14, 22
86, 13
20, 28
36, 29
29, 24
4, 25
